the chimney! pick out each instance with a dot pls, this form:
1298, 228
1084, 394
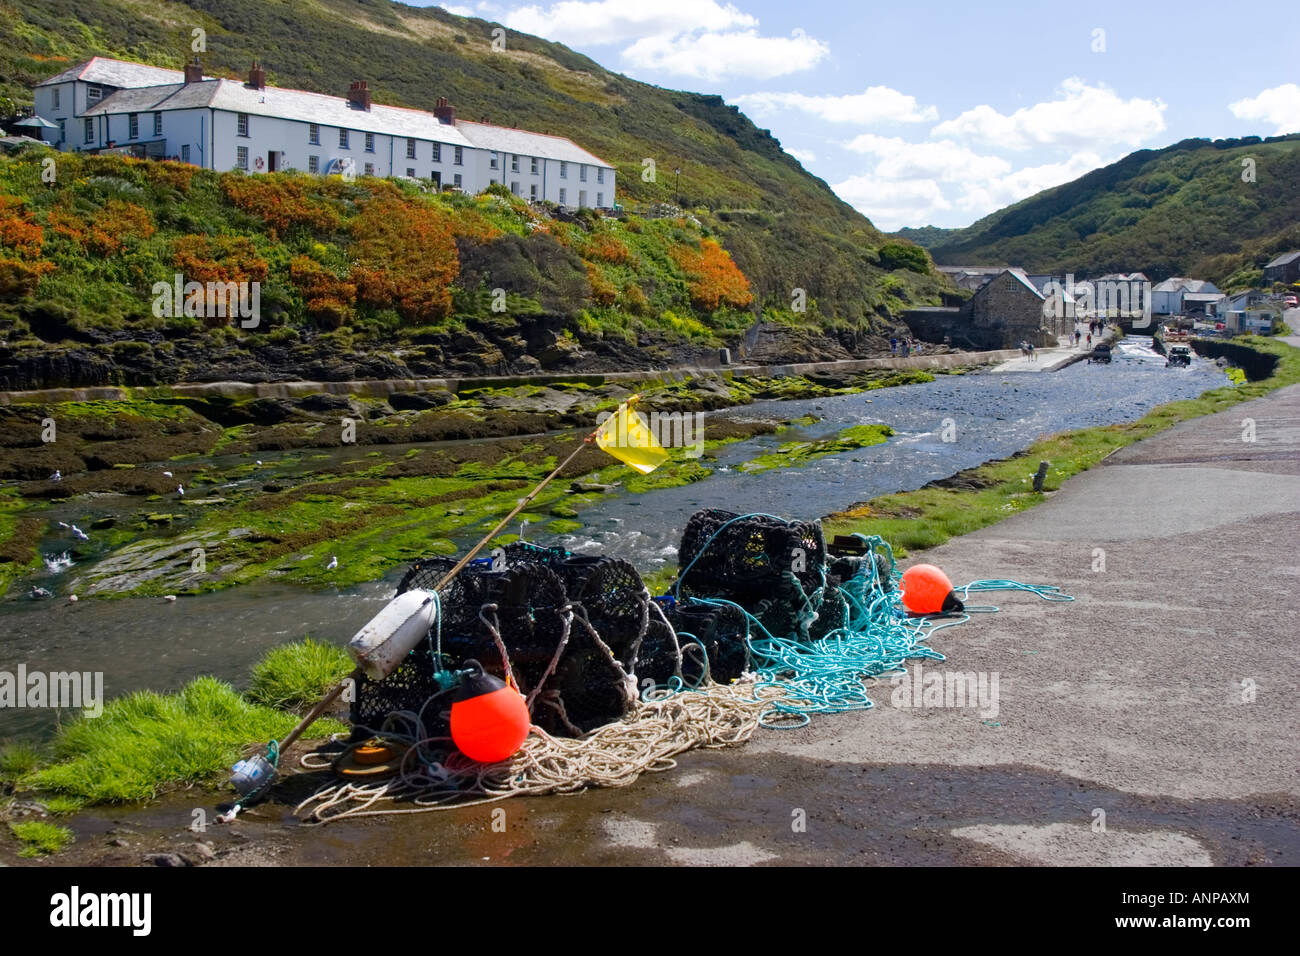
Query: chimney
257, 77
445, 112
359, 95
194, 71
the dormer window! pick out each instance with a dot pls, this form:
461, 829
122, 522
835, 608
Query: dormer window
93, 93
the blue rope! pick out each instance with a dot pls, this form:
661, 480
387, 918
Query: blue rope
877, 638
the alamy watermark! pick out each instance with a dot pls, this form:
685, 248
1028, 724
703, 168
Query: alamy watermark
1104, 298
670, 429
72, 690
950, 689
209, 300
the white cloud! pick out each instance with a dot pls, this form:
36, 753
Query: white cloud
712, 56
876, 104
891, 204
1080, 116
602, 22
1279, 106
944, 160
804, 156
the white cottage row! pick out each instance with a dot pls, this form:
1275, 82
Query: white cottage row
221, 124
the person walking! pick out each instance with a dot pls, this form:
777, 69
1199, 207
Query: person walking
893, 345
1031, 352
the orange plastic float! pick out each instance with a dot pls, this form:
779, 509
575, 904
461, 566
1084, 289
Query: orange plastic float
489, 719
927, 590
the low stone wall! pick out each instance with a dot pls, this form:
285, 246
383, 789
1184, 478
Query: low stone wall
384, 387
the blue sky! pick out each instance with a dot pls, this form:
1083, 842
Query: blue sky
942, 113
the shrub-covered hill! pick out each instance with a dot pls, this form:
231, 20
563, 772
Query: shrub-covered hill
783, 227
1182, 210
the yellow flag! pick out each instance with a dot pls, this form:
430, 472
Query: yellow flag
627, 437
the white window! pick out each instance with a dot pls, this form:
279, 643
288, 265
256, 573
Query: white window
185, 153
241, 157
514, 188
242, 122
313, 164
600, 174
133, 126
533, 165
90, 130
343, 139
370, 142
459, 159
514, 164
582, 197
600, 200
93, 93
157, 124
313, 134
410, 149
563, 195
564, 170
410, 172
437, 152
492, 160
456, 181
532, 192
582, 172
370, 169
56, 97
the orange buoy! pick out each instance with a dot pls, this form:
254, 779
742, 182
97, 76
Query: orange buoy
927, 590
489, 719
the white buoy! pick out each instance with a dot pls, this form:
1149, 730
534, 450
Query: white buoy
391, 634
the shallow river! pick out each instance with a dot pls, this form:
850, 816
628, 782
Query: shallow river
147, 642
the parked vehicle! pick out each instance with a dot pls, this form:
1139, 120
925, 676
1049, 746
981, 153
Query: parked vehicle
1180, 356
1100, 354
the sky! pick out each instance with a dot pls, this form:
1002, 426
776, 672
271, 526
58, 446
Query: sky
939, 114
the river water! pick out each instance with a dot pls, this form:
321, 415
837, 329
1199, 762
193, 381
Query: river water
150, 643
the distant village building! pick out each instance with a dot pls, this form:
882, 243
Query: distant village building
106, 105
1005, 311
1285, 268
970, 278
1167, 297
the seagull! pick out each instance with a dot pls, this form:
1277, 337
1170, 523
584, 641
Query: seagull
334, 563
81, 535
169, 597
63, 525
39, 592
167, 474
72, 599
57, 476
180, 490
259, 461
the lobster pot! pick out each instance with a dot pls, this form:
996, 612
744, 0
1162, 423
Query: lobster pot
750, 559
722, 630
518, 593
614, 597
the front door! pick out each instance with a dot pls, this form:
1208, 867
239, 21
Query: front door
272, 161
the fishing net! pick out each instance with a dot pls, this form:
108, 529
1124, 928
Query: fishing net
721, 630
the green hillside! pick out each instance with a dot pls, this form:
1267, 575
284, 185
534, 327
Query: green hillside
1181, 210
782, 227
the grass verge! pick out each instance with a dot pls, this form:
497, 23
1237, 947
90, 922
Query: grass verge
978, 497
297, 675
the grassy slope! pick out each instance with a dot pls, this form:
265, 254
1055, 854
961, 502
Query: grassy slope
1182, 210
784, 226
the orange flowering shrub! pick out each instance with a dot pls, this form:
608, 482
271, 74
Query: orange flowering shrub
329, 299
715, 279
605, 248
602, 290
281, 202
19, 231
634, 299
105, 233
218, 259
177, 175
19, 279
405, 256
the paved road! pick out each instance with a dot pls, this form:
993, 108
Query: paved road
1164, 698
